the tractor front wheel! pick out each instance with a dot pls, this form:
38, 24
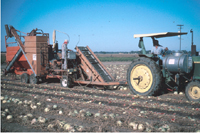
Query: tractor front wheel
192, 91
144, 77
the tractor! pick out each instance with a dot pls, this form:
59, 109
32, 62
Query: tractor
150, 74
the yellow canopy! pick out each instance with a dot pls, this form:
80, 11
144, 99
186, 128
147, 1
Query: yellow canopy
158, 35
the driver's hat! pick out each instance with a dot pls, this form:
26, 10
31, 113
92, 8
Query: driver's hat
66, 41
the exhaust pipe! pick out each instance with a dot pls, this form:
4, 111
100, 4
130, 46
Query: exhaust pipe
193, 47
54, 38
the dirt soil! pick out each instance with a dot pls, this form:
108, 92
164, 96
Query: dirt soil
47, 107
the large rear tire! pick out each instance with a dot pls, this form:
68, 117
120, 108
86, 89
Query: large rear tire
192, 91
144, 77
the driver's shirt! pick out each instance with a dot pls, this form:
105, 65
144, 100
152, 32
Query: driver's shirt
159, 50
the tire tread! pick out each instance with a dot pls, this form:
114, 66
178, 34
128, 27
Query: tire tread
156, 72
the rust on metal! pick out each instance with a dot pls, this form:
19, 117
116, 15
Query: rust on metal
36, 56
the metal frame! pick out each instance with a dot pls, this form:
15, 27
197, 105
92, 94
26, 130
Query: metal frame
20, 49
27, 60
101, 83
96, 73
87, 66
96, 77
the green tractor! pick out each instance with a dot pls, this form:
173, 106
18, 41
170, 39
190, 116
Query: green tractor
150, 73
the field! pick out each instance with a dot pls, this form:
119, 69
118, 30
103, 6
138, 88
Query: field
116, 57
49, 107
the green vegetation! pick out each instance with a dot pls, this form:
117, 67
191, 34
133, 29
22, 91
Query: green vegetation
106, 59
3, 58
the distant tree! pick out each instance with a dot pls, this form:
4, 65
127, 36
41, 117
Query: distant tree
102, 52
184, 51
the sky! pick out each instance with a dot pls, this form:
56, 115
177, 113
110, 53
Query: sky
105, 25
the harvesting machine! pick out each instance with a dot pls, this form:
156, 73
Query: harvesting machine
34, 58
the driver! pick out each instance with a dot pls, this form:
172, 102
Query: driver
64, 54
158, 49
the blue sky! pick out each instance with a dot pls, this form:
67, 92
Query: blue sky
105, 25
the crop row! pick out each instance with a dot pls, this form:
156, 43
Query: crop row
127, 108
102, 93
122, 120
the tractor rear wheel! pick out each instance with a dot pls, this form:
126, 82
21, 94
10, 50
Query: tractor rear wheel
144, 77
24, 78
33, 79
192, 91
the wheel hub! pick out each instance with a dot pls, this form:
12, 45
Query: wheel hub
141, 78
23, 79
195, 92
64, 82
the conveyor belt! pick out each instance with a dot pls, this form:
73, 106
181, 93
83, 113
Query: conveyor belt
95, 63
